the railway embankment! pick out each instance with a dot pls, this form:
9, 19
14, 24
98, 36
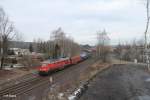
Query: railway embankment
73, 88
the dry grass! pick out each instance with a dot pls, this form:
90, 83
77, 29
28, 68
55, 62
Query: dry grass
116, 61
70, 86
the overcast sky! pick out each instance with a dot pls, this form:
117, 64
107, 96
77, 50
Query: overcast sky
81, 19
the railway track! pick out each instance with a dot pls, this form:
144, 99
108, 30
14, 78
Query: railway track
27, 84
21, 88
17, 81
17, 87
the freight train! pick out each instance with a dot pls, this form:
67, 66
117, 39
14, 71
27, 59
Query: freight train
52, 65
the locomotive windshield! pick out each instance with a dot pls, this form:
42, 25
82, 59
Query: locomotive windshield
44, 65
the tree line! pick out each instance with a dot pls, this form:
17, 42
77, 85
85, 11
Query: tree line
59, 45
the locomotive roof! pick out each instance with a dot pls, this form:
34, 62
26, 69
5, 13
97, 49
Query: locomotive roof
54, 60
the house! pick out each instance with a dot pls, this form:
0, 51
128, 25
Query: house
19, 51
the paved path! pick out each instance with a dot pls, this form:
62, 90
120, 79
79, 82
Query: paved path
120, 82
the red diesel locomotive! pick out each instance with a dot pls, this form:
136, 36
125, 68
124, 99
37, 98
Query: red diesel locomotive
49, 66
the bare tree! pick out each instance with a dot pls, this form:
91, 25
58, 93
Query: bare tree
118, 51
66, 44
130, 51
59, 45
6, 34
102, 45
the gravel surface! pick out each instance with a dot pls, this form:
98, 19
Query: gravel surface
120, 82
7, 75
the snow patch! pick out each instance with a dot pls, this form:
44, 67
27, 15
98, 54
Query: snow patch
78, 92
60, 96
71, 97
146, 97
148, 80
32, 98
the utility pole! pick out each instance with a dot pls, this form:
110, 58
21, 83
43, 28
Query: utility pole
145, 33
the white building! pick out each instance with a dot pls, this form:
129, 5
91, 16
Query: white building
19, 51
